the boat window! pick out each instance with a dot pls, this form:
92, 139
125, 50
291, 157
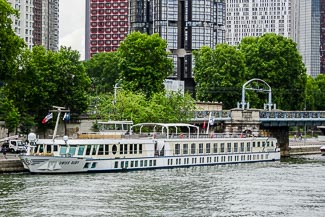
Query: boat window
258, 144
132, 162
135, 149
235, 147
94, 165
248, 146
41, 148
201, 148
126, 164
81, 150
207, 148
171, 161
48, 148
253, 144
122, 164
145, 163
101, 150
215, 147
125, 148
36, 148
222, 147
121, 148
263, 144
94, 150
131, 148
86, 165
88, 148
185, 148
114, 149
228, 147
268, 143
106, 149
140, 148
55, 148
177, 148
154, 162
141, 163
63, 149
242, 147
136, 163
150, 163
193, 148
72, 150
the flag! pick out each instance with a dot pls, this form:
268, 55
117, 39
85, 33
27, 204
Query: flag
211, 121
66, 116
204, 125
47, 118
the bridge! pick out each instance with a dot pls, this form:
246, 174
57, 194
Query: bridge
260, 122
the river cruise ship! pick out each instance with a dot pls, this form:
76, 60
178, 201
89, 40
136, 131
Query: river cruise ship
164, 146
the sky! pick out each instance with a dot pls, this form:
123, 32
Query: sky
72, 25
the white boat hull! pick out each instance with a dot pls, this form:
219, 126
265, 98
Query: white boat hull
49, 164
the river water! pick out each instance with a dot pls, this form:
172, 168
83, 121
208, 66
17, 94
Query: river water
294, 187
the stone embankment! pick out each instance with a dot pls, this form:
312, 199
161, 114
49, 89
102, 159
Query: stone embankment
302, 147
10, 164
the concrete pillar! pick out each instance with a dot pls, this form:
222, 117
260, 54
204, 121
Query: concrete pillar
282, 135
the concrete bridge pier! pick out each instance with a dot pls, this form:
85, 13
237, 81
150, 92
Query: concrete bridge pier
281, 133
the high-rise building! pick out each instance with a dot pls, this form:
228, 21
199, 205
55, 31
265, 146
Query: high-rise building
186, 25
106, 25
306, 32
38, 22
255, 18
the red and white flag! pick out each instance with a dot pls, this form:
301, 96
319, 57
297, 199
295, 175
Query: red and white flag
47, 118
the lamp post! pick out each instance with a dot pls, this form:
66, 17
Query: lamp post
116, 86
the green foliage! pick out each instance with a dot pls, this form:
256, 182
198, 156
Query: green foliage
103, 70
219, 74
144, 63
48, 78
274, 59
10, 43
315, 89
11, 115
136, 107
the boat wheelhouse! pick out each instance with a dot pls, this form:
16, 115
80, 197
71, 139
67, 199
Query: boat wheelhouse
146, 146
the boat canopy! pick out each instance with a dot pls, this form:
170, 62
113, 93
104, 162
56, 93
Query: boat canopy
167, 127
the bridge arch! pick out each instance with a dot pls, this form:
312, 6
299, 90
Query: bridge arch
262, 89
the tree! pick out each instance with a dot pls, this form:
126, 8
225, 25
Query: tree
219, 74
10, 43
144, 63
318, 89
45, 79
103, 71
274, 58
11, 115
136, 107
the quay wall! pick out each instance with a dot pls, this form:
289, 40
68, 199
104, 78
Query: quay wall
11, 165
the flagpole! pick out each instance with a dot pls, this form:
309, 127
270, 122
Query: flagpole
208, 123
58, 110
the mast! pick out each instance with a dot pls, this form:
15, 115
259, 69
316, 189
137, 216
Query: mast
58, 110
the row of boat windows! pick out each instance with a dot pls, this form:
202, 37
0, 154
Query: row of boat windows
207, 148
135, 164
218, 159
102, 149
185, 161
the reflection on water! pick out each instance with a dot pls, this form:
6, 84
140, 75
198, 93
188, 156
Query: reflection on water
293, 187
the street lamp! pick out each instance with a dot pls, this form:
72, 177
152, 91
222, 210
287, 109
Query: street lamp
116, 86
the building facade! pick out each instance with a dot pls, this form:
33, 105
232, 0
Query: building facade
306, 32
106, 25
257, 17
38, 23
186, 25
